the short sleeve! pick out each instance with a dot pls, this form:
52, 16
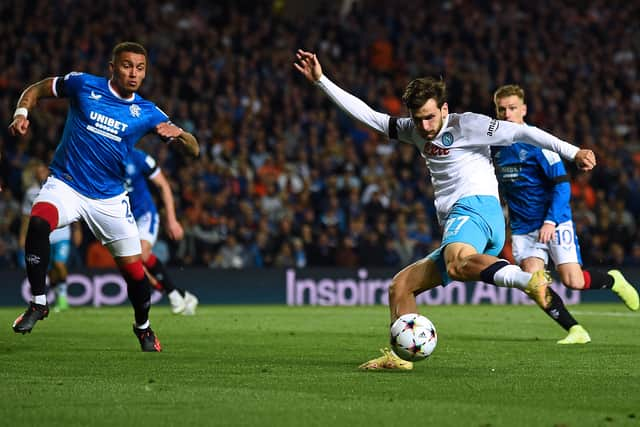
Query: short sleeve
157, 116
68, 85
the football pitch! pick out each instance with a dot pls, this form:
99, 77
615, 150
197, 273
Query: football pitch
297, 366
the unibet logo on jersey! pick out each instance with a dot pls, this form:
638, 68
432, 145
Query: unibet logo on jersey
107, 124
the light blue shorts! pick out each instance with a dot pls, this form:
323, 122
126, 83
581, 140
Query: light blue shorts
475, 220
60, 251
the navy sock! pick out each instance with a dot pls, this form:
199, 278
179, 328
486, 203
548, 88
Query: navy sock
558, 312
37, 249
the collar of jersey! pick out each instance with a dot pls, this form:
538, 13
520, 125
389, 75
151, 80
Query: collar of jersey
445, 124
130, 99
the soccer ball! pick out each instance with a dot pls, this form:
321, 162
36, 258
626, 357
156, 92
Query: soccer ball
413, 337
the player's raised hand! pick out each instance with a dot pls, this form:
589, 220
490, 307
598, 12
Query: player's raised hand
308, 64
585, 160
19, 125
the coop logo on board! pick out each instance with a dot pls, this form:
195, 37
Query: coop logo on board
96, 290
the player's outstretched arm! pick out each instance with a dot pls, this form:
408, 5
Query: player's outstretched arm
172, 132
309, 66
174, 229
584, 159
28, 100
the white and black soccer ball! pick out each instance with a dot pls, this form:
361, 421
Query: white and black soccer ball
413, 337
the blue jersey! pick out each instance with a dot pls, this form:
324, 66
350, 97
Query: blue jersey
140, 166
534, 184
100, 132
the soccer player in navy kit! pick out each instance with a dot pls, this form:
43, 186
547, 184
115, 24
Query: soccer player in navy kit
140, 167
106, 118
535, 185
456, 150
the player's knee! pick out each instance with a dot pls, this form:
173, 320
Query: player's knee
45, 212
133, 270
38, 228
399, 285
395, 287
148, 258
573, 282
454, 270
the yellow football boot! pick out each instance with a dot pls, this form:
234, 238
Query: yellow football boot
577, 335
388, 360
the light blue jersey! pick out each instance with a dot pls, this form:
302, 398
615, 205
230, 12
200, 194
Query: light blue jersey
99, 134
534, 184
140, 166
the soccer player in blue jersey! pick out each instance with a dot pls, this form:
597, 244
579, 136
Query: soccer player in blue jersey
106, 119
140, 167
535, 185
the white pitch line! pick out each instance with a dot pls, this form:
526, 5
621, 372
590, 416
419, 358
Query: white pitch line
604, 313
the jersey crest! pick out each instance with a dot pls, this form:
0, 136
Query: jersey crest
447, 139
134, 110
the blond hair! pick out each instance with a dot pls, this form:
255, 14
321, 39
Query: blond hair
508, 90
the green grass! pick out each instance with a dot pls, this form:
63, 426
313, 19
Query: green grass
283, 366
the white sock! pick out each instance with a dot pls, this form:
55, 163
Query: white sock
145, 325
174, 293
512, 276
40, 299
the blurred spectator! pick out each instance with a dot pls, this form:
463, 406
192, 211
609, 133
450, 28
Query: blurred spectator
231, 255
285, 256
404, 246
391, 257
346, 254
271, 150
372, 251
299, 255
320, 253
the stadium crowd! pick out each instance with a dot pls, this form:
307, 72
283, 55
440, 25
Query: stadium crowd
286, 180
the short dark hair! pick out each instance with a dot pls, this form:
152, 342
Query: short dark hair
419, 91
127, 47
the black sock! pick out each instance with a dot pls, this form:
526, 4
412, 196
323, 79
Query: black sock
487, 274
598, 280
558, 312
140, 296
36, 254
160, 274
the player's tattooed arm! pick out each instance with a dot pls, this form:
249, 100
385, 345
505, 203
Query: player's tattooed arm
41, 89
171, 132
28, 100
190, 143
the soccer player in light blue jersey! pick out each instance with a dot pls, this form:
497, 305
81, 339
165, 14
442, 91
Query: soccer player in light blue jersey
456, 149
106, 118
140, 168
535, 185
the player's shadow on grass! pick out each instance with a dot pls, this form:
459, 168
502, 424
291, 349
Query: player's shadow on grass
485, 338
